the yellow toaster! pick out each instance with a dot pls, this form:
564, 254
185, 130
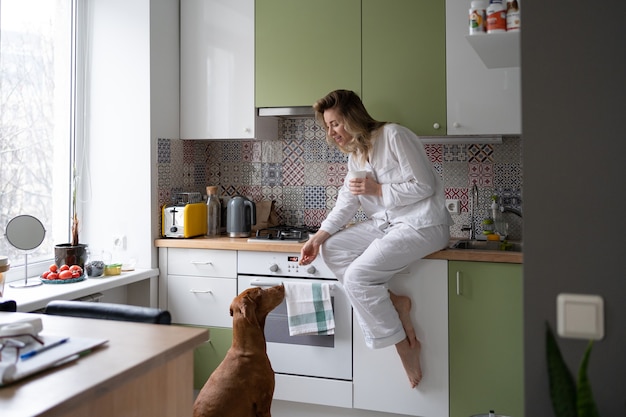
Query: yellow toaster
183, 220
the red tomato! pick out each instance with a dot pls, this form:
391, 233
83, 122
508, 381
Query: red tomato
75, 274
76, 268
64, 267
66, 274
45, 274
53, 268
53, 275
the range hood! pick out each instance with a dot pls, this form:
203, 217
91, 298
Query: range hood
287, 112
297, 112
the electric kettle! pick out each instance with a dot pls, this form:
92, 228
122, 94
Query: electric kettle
240, 216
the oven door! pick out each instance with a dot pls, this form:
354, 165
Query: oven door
315, 356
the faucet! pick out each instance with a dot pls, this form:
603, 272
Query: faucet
472, 228
509, 209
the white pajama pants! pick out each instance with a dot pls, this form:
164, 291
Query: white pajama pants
364, 258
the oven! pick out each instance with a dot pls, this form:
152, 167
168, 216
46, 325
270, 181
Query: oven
312, 369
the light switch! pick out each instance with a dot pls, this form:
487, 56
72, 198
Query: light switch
580, 316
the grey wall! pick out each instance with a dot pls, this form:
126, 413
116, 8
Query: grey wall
573, 99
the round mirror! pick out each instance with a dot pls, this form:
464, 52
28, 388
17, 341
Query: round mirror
25, 232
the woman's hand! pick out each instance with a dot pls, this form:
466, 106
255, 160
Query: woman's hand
365, 186
311, 248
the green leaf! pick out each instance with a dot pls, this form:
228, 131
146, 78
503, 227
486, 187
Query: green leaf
562, 385
586, 404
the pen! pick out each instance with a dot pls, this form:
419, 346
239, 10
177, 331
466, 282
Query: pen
34, 352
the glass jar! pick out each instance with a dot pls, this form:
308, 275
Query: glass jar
213, 212
94, 267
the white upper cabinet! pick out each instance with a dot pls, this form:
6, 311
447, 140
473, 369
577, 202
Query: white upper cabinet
217, 72
480, 100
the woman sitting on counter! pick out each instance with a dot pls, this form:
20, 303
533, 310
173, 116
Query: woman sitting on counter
404, 200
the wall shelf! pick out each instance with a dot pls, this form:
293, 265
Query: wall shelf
497, 50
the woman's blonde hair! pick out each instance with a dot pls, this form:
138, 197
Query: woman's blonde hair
355, 118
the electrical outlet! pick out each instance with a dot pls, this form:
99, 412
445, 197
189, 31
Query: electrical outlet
453, 206
119, 242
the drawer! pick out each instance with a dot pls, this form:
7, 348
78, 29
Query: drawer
201, 301
202, 262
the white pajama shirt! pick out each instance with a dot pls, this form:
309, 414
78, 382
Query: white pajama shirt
408, 222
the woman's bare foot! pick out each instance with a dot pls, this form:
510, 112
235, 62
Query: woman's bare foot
402, 304
410, 348
410, 357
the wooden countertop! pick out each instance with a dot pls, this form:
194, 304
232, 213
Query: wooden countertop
243, 245
134, 350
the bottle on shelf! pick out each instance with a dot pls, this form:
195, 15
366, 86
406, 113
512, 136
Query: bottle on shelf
477, 17
213, 212
513, 21
496, 17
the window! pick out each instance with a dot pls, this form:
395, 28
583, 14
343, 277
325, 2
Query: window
37, 123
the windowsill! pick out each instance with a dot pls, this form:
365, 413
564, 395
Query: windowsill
35, 298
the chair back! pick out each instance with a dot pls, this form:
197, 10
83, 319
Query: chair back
8, 305
108, 311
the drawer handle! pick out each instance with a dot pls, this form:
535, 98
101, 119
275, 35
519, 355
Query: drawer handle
202, 262
459, 287
201, 291
259, 283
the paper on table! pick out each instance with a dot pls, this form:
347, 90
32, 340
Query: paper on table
72, 349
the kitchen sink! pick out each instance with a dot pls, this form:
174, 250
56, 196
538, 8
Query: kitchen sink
488, 245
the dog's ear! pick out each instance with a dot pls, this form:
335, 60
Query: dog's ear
248, 310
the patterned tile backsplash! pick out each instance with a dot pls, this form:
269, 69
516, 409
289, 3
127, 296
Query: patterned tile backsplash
302, 174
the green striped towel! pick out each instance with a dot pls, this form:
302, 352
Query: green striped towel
309, 308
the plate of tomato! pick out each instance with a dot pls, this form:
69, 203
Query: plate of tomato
64, 274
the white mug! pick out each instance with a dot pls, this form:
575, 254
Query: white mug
356, 174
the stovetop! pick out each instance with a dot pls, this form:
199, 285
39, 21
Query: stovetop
283, 233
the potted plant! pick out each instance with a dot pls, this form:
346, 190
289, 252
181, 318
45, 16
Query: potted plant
570, 397
73, 253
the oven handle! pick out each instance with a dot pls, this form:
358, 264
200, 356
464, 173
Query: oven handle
262, 283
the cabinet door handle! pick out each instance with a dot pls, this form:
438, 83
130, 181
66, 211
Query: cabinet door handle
201, 291
260, 283
459, 287
202, 262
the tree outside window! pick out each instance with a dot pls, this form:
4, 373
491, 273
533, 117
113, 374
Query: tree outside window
36, 122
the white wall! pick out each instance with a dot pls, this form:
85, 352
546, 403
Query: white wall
129, 107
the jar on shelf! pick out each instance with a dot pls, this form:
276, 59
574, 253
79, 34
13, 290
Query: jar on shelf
496, 17
513, 21
477, 17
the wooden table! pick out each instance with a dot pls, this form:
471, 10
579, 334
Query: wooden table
144, 370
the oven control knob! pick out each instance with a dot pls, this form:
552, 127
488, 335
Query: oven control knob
273, 267
311, 270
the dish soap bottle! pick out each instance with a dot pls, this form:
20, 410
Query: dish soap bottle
213, 212
494, 208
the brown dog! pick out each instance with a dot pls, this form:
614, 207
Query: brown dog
243, 384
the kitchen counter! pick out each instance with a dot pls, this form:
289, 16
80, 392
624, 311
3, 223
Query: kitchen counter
267, 246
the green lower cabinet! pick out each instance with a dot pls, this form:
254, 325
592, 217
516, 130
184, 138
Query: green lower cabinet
486, 338
210, 354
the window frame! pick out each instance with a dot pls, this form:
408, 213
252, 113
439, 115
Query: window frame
78, 44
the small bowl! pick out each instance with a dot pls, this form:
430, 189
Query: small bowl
113, 269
